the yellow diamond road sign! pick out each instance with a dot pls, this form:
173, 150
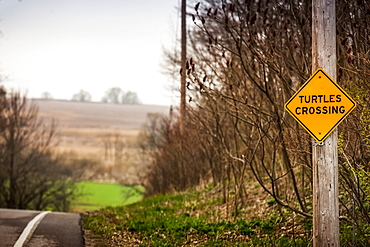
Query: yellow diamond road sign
320, 105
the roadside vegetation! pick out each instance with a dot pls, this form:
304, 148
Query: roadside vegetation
245, 60
198, 218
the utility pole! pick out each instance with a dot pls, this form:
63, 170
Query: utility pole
183, 66
325, 156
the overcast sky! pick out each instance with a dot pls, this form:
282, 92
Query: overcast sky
63, 46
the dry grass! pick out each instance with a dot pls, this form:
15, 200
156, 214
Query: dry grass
85, 128
71, 114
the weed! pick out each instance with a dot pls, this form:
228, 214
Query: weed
164, 220
271, 202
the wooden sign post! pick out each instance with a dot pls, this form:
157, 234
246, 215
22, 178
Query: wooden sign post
320, 105
325, 156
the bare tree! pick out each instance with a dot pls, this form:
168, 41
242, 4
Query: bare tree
113, 96
82, 96
46, 96
130, 98
31, 176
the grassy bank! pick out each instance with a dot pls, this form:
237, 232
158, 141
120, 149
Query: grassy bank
194, 219
94, 195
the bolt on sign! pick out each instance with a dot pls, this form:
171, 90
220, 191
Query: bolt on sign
320, 105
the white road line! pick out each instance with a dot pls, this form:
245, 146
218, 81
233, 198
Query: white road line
30, 228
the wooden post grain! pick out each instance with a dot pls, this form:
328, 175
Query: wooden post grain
325, 157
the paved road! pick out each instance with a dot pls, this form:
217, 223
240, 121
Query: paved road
43, 229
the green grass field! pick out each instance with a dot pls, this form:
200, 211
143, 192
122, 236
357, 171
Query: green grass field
94, 195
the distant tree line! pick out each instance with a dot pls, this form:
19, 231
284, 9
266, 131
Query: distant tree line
113, 95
